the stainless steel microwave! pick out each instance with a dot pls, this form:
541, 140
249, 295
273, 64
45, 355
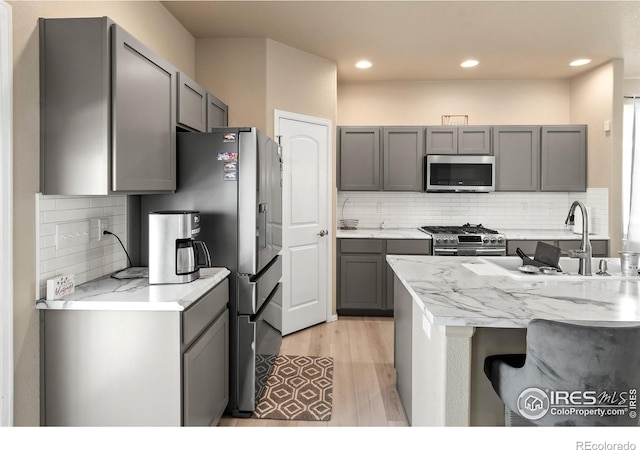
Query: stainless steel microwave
460, 173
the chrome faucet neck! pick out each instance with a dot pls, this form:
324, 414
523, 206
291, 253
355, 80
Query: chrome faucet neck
585, 252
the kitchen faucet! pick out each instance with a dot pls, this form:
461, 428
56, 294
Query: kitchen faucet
584, 254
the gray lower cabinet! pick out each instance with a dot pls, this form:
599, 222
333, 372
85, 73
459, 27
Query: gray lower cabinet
136, 368
403, 344
517, 152
217, 112
458, 140
365, 280
600, 247
192, 104
380, 158
107, 110
563, 158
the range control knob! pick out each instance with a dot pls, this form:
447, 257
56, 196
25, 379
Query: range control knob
438, 240
445, 240
493, 240
500, 239
485, 240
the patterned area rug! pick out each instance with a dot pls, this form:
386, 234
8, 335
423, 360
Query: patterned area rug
298, 388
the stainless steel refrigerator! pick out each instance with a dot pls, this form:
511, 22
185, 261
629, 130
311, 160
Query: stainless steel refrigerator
233, 177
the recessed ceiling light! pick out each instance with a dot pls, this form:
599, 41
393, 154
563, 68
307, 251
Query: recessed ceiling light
363, 64
469, 63
579, 62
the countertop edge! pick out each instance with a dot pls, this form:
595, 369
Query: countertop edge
208, 280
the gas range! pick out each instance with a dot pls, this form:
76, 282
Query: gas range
466, 240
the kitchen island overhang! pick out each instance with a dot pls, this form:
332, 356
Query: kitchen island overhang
448, 318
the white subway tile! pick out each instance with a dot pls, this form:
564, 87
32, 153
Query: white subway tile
73, 203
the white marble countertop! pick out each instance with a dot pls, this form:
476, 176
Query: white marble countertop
451, 294
135, 294
382, 233
414, 233
559, 234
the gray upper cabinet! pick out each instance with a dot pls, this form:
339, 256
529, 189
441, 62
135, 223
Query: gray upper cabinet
217, 112
359, 167
403, 152
144, 97
458, 140
199, 110
564, 158
474, 140
373, 159
192, 104
442, 140
108, 111
517, 152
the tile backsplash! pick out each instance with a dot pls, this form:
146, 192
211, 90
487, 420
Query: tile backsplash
499, 210
86, 261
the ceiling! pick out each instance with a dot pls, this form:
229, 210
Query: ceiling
427, 40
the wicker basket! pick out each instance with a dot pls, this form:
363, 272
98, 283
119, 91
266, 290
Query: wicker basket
348, 224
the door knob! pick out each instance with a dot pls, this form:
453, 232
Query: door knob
322, 233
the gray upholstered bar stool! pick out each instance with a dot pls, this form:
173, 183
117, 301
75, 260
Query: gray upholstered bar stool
570, 372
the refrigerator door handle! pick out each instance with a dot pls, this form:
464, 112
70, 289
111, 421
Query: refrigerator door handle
255, 317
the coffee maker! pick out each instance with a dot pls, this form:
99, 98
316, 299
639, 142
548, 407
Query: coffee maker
175, 256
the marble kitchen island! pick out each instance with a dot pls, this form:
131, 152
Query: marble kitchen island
452, 312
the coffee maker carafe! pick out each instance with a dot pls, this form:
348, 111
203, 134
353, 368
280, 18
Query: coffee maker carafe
175, 256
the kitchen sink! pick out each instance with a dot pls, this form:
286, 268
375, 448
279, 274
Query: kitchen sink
509, 266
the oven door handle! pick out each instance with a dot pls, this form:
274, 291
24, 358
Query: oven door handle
491, 251
445, 251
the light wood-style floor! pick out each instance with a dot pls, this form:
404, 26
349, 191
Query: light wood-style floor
364, 380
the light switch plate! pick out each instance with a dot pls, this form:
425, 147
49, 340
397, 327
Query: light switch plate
70, 234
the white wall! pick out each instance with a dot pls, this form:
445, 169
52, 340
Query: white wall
504, 102
596, 97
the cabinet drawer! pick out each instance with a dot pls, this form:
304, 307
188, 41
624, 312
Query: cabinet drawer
202, 312
598, 248
528, 247
408, 247
361, 245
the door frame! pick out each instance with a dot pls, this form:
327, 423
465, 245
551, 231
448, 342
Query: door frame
6, 218
279, 114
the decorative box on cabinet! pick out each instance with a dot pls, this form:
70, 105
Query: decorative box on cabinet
107, 109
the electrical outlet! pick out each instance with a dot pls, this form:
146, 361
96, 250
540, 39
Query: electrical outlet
103, 225
70, 234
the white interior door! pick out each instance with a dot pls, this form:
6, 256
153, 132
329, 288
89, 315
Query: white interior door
306, 244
